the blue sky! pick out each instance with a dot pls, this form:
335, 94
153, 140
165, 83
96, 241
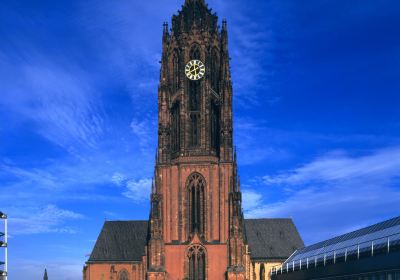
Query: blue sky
316, 112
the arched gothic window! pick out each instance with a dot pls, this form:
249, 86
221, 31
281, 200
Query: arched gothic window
194, 129
197, 263
196, 185
194, 96
262, 272
123, 275
214, 133
175, 128
176, 66
214, 71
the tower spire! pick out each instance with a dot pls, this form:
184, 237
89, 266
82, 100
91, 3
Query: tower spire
45, 275
194, 1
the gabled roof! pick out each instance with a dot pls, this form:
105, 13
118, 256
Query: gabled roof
272, 238
124, 241
121, 241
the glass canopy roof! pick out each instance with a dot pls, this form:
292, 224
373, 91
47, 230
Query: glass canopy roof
378, 234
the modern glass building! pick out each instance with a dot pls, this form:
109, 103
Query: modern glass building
369, 253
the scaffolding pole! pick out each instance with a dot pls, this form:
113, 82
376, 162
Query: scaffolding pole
5, 246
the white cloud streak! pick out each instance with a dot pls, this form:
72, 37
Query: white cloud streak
50, 219
381, 166
249, 135
58, 100
137, 190
145, 131
334, 194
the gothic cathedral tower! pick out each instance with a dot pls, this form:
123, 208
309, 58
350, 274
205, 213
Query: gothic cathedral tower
196, 223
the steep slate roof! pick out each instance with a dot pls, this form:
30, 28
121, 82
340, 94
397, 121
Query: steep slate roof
121, 241
126, 240
272, 238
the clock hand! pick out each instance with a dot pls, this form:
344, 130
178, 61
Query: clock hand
194, 71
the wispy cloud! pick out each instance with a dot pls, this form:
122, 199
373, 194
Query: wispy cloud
29, 269
58, 100
50, 219
118, 179
334, 193
251, 41
251, 199
251, 143
40, 178
137, 190
379, 167
145, 131
66, 180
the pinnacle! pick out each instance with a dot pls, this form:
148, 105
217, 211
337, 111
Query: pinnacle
194, 1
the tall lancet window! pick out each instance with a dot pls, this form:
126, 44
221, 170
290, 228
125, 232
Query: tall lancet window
194, 104
176, 66
214, 71
194, 129
196, 185
197, 263
214, 127
195, 52
175, 128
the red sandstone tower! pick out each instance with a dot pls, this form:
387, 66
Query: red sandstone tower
196, 224
196, 229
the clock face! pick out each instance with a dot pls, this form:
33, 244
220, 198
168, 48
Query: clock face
195, 70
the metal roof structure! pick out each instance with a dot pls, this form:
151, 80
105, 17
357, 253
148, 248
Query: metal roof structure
359, 240
372, 248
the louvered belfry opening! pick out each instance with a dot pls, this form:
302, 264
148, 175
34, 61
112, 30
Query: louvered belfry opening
196, 186
214, 71
194, 104
197, 263
176, 67
175, 128
215, 127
